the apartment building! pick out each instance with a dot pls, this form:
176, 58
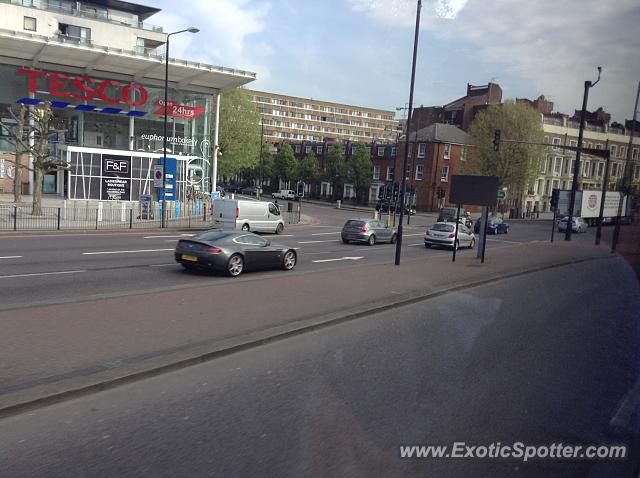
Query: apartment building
290, 118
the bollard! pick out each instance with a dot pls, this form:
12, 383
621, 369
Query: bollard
15, 217
59, 213
338, 203
130, 218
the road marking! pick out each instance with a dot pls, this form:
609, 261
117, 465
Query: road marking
10, 257
325, 233
412, 245
163, 265
409, 235
41, 274
315, 242
166, 237
285, 235
340, 259
124, 252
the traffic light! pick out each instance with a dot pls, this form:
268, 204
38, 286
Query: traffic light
388, 191
300, 189
496, 140
382, 192
396, 191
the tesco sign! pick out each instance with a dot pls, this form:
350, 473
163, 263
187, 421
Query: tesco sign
86, 88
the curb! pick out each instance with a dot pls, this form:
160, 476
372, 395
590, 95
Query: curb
223, 348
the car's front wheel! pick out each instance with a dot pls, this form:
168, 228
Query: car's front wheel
245, 227
393, 239
472, 244
427, 245
235, 265
289, 260
279, 228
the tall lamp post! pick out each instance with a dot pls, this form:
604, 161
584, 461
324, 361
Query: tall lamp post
406, 143
576, 170
164, 128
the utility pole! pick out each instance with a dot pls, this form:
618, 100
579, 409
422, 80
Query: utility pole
626, 175
576, 170
406, 142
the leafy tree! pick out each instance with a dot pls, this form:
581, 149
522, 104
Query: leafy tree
360, 170
308, 168
515, 165
284, 164
239, 133
335, 169
36, 122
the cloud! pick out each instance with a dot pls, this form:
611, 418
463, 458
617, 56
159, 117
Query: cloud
542, 47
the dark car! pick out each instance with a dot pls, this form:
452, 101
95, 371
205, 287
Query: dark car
367, 230
249, 191
233, 252
449, 214
495, 225
388, 207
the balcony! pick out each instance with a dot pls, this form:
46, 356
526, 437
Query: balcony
85, 10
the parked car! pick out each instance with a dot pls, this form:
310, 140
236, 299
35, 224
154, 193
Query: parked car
367, 230
289, 194
233, 252
495, 225
577, 224
444, 234
247, 215
249, 191
388, 207
449, 214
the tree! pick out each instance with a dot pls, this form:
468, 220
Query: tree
335, 169
34, 128
308, 168
239, 133
515, 165
360, 169
284, 164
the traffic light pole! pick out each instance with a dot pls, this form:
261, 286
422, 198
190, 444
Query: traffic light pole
406, 143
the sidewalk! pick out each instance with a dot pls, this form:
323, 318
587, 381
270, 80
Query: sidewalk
51, 352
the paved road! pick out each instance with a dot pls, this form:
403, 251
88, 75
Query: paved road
37, 269
549, 356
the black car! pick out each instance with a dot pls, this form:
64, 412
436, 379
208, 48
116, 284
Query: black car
388, 207
249, 191
233, 252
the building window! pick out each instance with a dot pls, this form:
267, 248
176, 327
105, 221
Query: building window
307, 149
79, 34
614, 169
623, 150
408, 175
636, 172
547, 185
614, 149
319, 149
558, 165
539, 186
447, 151
585, 168
444, 173
549, 165
296, 148
565, 166
389, 174
30, 24
573, 165
422, 149
380, 150
593, 169
419, 172
573, 142
556, 143
376, 172
600, 169
410, 149
353, 150
543, 166
463, 153
598, 146
393, 151
634, 154
556, 183
369, 150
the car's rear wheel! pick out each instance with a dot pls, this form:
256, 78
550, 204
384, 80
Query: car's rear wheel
372, 240
279, 228
235, 265
472, 244
393, 239
245, 227
289, 260
189, 267
427, 245
346, 241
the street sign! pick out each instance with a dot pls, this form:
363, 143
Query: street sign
502, 194
145, 206
170, 181
215, 195
157, 176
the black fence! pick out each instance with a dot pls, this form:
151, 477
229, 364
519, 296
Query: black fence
22, 218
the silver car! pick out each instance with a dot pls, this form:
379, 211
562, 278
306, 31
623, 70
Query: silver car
367, 230
444, 234
577, 224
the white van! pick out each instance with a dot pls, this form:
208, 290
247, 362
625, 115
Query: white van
256, 216
284, 194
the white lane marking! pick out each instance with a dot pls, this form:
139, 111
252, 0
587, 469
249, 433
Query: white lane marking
41, 274
163, 265
340, 259
284, 235
125, 252
409, 235
325, 233
10, 257
412, 245
315, 242
165, 237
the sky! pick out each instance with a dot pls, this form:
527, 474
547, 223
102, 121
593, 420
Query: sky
359, 52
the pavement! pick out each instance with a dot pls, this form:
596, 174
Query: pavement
540, 358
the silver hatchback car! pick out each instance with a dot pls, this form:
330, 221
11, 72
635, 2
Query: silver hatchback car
367, 230
444, 234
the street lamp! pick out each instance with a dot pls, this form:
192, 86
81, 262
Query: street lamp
164, 135
576, 170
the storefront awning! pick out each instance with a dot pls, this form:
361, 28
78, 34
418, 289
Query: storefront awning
38, 51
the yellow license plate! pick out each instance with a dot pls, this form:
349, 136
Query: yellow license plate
187, 257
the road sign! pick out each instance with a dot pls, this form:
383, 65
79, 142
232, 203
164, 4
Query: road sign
145, 206
170, 181
157, 176
502, 194
215, 195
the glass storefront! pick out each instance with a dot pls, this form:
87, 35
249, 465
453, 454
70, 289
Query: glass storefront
98, 112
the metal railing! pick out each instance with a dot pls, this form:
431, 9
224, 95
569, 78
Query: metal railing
98, 217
